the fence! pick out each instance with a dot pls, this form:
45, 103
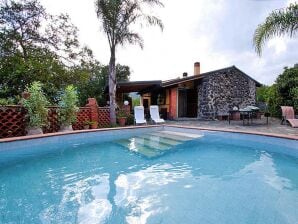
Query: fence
13, 119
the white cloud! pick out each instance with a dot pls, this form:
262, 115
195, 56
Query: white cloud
217, 33
278, 44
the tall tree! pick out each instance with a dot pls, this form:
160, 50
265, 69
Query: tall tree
117, 17
37, 46
278, 23
96, 86
287, 86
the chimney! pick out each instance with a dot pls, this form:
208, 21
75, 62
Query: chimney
184, 74
197, 68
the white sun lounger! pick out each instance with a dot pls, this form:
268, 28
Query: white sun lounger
154, 113
139, 115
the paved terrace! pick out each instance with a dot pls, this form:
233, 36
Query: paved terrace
258, 125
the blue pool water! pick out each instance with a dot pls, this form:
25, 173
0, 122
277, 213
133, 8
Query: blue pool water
150, 176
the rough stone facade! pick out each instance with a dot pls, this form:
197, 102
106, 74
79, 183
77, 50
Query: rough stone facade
220, 91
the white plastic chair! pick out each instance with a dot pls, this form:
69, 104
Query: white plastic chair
139, 115
154, 113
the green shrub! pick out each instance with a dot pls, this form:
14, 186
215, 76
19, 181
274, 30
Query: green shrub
287, 85
136, 102
274, 101
294, 95
130, 119
68, 106
36, 106
7, 101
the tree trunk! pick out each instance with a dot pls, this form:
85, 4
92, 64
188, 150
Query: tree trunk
112, 86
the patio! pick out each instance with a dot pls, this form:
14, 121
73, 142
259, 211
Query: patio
258, 125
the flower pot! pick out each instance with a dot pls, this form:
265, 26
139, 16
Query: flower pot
64, 128
94, 125
34, 131
122, 121
86, 127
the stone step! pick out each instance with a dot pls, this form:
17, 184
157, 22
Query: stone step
134, 146
171, 136
156, 145
183, 134
162, 140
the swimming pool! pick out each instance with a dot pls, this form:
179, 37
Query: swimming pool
150, 175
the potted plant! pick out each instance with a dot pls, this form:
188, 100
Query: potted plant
68, 108
94, 124
86, 125
121, 117
35, 104
90, 124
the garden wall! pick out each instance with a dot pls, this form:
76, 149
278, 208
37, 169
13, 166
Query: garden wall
13, 119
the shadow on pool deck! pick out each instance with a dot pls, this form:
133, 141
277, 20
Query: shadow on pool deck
258, 125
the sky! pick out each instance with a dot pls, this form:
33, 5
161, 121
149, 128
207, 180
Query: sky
216, 33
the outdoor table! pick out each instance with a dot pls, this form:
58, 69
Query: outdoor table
231, 113
249, 111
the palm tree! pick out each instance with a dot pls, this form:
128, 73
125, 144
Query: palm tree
278, 23
117, 17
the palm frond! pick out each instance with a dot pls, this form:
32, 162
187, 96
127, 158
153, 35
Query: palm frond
278, 23
132, 38
117, 16
154, 2
153, 20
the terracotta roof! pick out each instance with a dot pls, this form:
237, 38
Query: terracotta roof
143, 86
202, 75
137, 86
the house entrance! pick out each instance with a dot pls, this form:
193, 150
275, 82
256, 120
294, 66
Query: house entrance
187, 103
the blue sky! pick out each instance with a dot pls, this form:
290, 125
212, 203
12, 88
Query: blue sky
217, 33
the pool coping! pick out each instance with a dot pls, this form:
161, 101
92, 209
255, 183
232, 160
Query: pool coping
291, 137
29, 137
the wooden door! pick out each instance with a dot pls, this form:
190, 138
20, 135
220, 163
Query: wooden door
182, 103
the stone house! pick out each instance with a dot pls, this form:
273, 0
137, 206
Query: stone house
202, 95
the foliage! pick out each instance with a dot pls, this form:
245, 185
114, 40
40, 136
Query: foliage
294, 94
118, 17
283, 93
135, 102
287, 87
278, 23
121, 112
26, 26
37, 46
274, 101
95, 87
90, 122
36, 105
68, 106
8, 101
261, 93
130, 119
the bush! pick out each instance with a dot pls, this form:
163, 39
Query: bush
294, 94
68, 106
8, 101
284, 92
130, 119
274, 101
36, 106
287, 85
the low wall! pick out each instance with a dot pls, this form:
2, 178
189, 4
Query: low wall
13, 119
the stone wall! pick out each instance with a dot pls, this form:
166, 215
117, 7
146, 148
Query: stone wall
220, 91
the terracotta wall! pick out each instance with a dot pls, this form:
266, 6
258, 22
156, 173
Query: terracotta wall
13, 119
173, 103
